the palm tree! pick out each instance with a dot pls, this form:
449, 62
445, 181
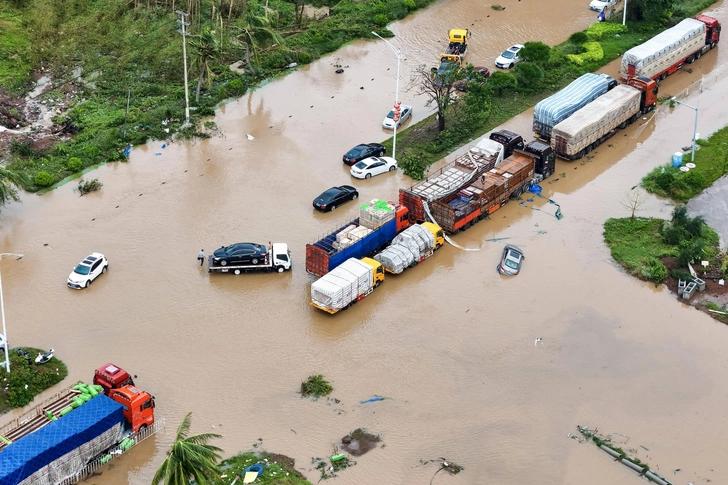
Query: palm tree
189, 458
9, 183
255, 29
206, 48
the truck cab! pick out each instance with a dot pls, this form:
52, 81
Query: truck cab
436, 232
649, 90
545, 158
138, 406
377, 270
110, 376
510, 141
712, 29
458, 41
281, 256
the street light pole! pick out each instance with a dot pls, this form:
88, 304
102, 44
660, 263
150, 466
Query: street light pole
624, 15
695, 128
2, 312
182, 21
397, 52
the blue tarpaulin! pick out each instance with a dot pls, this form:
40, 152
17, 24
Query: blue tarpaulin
31, 453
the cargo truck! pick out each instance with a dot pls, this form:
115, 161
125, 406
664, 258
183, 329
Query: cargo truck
375, 227
487, 194
278, 258
666, 52
346, 284
110, 376
460, 172
597, 121
76, 440
556, 108
410, 247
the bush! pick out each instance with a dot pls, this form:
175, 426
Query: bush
658, 272
529, 77
236, 86
74, 164
381, 20
598, 30
414, 162
316, 386
579, 38
410, 4
593, 52
43, 179
681, 274
84, 187
535, 52
304, 57
500, 82
274, 60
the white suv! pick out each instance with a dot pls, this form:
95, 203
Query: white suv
88, 270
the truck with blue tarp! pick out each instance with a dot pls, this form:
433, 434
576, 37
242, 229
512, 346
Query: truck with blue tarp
556, 108
66, 444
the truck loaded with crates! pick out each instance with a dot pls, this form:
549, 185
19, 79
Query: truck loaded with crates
375, 227
355, 279
556, 108
665, 53
599, 120
63, 439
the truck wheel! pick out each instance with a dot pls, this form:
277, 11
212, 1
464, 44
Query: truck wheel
587, 149
580, 155
712, 46
623, 125
223, 262
376, 285
690, 59
280, 269
237, 271
698, 55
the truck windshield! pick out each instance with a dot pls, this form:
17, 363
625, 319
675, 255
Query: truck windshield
82, 269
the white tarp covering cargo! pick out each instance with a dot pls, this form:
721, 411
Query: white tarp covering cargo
595, 119
664, 50
409, 246
342, 285
556, 108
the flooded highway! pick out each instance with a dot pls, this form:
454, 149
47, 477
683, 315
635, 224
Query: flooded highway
449, 342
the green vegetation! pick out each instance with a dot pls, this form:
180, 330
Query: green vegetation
10, 181
86, 186
508, 93
38, 378
190, 458
132, 49
279, 469
640, 244
711, 163
315, 386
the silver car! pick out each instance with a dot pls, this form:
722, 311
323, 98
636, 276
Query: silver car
405, 112
511, 260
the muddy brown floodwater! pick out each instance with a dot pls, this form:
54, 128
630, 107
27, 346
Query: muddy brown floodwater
450, 342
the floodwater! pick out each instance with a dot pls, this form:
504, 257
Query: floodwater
450, 342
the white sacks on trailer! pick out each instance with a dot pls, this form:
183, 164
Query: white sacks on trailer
409, 246
342, 285
663, 50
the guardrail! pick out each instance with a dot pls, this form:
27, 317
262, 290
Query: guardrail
35, 411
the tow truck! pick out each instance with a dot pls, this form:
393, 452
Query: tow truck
277, 259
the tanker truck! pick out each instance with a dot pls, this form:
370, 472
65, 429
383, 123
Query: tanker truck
666, 52
597, 121
556, 108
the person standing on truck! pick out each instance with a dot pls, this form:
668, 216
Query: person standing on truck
201, 256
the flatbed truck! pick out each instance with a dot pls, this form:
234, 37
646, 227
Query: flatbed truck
277, 259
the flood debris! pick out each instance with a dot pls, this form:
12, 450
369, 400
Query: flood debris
445, 465
359, 442
335, 463
316, 386
373, 399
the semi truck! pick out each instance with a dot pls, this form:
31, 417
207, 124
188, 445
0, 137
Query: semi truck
110, 376
556, 108
375, 227
349, 282
278, 258
477, 160
487, 194
410, 247
597, 121
665, 53
77, 438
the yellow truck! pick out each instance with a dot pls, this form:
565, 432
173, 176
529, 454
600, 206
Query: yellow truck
351, 281
411, 246
453, 58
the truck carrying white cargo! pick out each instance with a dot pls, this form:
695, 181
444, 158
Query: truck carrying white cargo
556, 108
411, 246
349, 282
669, 50
597, 121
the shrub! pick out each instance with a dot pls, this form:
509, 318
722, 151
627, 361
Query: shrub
274, 60
23, 148
593, 52
381, 20
43, 179
598, 30
91, 151
658, 272
681, 274
500, 82
665, 180
535, 52
74, 164
578, 38
529, 76
316, 386
410, 4
414, 162
304, 57
236, 86
84, 187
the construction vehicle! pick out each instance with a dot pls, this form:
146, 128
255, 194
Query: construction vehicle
410, 247
666, 52
349, 282
278, 258
599, 120
375, 227
556, 108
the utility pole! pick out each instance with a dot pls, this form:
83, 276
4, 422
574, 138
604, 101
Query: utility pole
182, 21
128, 98
2, 312
624, 15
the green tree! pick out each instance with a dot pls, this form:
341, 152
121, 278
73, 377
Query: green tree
9, 183
500, 82
529, 77
190, 458
252, 32
535, 52
206, 47
650, 10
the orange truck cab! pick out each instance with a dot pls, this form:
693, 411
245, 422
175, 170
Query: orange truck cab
110, 376
138, 406
649, 90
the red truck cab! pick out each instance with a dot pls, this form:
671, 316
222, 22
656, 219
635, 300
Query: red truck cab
138, 406
110, 376
649, 90
712, 29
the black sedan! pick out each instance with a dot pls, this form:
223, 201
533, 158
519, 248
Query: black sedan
240, 253
334, 197
360, 152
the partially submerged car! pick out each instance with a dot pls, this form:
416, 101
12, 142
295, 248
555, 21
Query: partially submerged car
509, 57
362, 151
87, 271
511, 260
334, 197
366, 169
389, 123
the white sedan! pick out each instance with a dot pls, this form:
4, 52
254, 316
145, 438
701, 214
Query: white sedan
88, 270
404, 113
373, 166
599, 5
509, 57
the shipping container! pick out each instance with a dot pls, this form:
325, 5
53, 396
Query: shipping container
346, 284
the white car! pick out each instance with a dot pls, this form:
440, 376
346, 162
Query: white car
509, 57
404, 113
373, 166
2, 343
88, 270
599, 5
